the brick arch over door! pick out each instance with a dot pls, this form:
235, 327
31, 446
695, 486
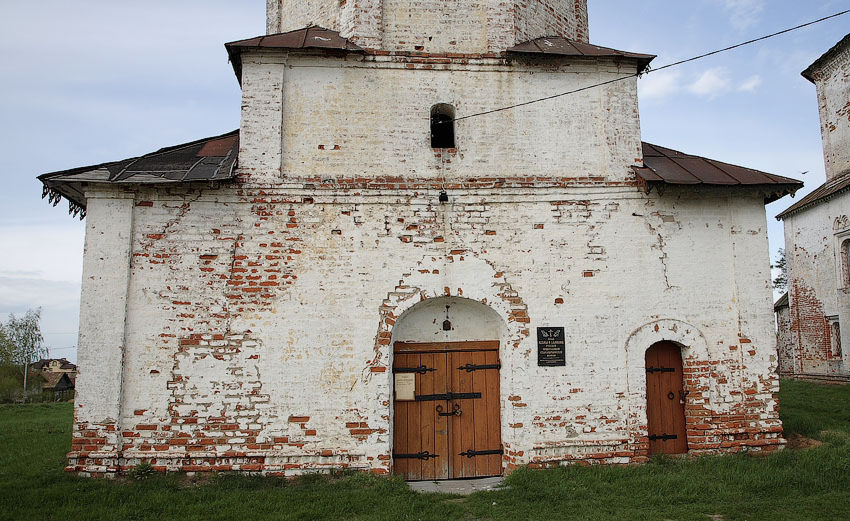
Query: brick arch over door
695, 359
466, 276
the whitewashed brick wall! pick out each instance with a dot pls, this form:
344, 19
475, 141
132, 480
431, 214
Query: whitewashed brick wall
816, 284
833, 85
435, 26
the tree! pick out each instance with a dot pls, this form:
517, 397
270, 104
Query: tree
22, 341
6, 350
780, 282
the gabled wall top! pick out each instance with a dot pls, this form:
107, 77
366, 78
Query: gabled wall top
435, 26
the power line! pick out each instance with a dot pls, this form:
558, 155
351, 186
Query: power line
650, 70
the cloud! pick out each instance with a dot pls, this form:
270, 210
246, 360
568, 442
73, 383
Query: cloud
711, 83
750, 84
659, 85
743, 13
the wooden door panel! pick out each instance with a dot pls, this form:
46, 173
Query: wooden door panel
419, 427
493, 414
665, 412
402, 409
434, 426
479, 409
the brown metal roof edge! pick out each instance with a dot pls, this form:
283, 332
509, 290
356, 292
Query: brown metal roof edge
813, 198
54, 189
782, 185
776, 179
80, 169
642, 59
234, 49
809, 72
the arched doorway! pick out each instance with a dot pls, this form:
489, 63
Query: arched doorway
665, 399
446, 402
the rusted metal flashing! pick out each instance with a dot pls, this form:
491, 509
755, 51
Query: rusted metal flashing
665, 166
560, 46
208, 159
307, 38
824, 192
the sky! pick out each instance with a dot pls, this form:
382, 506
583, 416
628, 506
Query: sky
92, 81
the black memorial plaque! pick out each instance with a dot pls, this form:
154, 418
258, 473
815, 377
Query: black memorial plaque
551, 347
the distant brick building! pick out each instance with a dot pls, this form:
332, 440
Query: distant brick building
817, 236
365, 277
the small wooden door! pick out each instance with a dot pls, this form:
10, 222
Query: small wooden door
665, 399
452, 427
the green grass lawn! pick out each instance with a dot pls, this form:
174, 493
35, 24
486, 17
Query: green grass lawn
795, 484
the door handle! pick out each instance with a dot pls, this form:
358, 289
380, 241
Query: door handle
456, 410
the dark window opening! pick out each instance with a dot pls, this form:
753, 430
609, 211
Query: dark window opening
442, 126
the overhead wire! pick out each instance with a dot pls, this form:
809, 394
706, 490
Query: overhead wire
656, 69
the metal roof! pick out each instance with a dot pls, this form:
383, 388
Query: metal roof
208, 159
560, 46
825, 191
810, 70
782, 302
668, 166
312, 37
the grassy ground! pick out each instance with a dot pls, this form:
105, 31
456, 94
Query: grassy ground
796, 484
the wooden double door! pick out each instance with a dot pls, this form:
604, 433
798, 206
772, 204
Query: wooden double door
665, 399
447, 421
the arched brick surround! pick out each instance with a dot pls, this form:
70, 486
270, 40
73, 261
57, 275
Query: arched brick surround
696, 361
457, 275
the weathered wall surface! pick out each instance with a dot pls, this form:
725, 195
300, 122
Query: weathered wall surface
785, 342
289, 15
258, 317
833, 85
371, 120
435, 26
259, 321
817, 290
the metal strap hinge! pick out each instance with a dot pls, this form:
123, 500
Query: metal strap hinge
422, 369
472, 453
447, 396
660, 370
472, 367
663, 437
419, 455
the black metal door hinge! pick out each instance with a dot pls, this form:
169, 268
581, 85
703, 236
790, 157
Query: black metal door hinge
471, 367
472, 453
663, 437
422, 369
419, 455
660, 370
447, 396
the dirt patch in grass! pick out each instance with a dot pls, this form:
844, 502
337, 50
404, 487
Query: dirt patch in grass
797, 442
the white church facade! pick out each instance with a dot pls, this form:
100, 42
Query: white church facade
364, 277
814, 316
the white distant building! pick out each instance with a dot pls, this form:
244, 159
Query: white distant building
817, 237
364, 277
